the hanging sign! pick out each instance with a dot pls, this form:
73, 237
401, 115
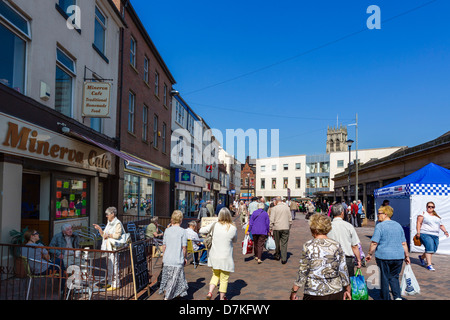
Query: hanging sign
96, 99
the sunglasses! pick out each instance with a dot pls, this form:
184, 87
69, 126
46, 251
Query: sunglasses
432, 207
35, 234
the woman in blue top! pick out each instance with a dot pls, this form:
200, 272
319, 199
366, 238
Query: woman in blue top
389, 245
259, 228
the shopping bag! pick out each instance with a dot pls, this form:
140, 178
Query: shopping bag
359, 287
247, 245
409, 285
270, 243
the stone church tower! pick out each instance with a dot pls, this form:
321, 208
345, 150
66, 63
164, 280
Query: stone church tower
336, 139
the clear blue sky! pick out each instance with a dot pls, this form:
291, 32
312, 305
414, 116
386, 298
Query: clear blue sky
277, 65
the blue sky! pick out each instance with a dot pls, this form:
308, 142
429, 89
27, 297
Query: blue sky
277, 65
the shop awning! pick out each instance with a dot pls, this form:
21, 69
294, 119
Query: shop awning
129, 159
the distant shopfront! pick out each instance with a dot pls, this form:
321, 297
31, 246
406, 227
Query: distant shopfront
188, 192
141, 188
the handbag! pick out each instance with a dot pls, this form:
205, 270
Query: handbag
209, 236
359, 287
247, 245
124, 239
409, 285
417, 241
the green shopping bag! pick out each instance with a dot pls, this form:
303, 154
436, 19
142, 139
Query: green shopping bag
359, 287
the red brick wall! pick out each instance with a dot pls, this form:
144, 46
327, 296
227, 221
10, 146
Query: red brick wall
133, 80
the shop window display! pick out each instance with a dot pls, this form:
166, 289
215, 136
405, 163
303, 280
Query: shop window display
71, 198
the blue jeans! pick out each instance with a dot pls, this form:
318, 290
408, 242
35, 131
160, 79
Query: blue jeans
389, 276
203, 257
430, 242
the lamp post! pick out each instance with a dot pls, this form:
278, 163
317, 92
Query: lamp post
349, 144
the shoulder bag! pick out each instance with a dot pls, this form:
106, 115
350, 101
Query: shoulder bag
209, 236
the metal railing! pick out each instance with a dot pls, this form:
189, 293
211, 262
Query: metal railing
80, 274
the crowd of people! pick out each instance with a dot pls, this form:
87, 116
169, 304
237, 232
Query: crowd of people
327, 261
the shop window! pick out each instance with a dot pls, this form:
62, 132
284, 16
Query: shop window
71, 198
138, 198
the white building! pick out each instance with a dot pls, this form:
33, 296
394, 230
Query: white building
274, 176
52, 61
46, 177
305, 175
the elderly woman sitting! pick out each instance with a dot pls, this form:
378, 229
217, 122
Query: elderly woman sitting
323, 269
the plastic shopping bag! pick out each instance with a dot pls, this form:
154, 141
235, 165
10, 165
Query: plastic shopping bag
409, 285
247, 245
270, 243
359, 287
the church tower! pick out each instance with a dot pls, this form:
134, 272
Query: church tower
336, 139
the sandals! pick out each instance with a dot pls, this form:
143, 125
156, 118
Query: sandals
209, 296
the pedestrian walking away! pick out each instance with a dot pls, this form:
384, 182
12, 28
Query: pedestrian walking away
174, 248
390, 248
428, 225
259, 225
323, 270
344, 233
280, 225
220, 257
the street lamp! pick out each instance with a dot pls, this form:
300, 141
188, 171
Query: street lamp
349, 144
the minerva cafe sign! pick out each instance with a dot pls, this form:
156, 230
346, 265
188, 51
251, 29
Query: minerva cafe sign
22, 138
96, 99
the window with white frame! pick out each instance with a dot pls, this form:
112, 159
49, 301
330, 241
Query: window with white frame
133, 52
297, 182
263, 183
263, 168
100, 31
65, 73
145, 123
191, 124
155, 131
156, 83
146, 64
340, 163
298, 166
131, 111
165, 95
14, 34
274, 167
285, 167
180, 113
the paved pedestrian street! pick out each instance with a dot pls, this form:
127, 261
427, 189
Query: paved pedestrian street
272, 280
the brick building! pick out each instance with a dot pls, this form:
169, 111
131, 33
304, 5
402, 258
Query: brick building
144, 119
248, 178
